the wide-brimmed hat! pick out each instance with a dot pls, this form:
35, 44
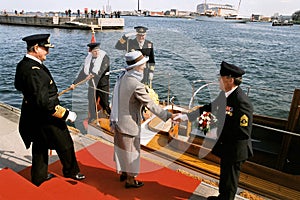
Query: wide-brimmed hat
42, 40
135, 58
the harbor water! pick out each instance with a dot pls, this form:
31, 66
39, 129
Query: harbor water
186, 50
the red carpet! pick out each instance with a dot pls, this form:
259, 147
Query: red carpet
102, 182
13, 186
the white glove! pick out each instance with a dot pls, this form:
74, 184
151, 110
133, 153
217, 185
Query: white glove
71, 116
182, 117
130, 34
151, 76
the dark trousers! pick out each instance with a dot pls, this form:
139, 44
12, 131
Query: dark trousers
229, 178
104, 98
92, 103
39, 170
104, 101
145, 79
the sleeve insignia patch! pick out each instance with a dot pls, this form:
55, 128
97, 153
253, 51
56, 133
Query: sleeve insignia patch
35, 68
244, 121
51, 82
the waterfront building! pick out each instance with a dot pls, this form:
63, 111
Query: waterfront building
216, 9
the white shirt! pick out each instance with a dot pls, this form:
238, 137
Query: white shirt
230, 91
33, 58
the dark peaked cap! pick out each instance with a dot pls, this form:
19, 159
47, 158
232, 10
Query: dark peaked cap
93, 45
231, 70
141, 29
42, 40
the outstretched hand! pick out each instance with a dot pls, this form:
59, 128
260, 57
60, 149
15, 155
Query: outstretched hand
72, 87
178, 117
130, 34
71, 117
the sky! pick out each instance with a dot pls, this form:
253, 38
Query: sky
247, 7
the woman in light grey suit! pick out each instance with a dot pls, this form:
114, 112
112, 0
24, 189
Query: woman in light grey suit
128, 98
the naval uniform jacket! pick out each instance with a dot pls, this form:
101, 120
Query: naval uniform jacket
40, 100
99, 69
101, 80
132, 97
235, 115
147, 50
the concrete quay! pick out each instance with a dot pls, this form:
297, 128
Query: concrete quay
63, 22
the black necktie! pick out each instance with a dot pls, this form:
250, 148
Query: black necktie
92, 65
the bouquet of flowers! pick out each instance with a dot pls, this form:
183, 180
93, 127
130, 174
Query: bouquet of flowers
206, 120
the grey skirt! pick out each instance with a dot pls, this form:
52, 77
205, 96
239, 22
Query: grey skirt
127, 153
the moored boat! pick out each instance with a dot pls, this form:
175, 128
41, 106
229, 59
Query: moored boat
221, 13
282, 23
275, 143
224, 19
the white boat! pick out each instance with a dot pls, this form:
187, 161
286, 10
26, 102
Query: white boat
227, 19
282, 23
237, 19
221, 13
181, 143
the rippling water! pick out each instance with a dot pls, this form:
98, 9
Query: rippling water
185, 50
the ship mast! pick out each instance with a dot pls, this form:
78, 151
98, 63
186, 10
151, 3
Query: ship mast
238, 9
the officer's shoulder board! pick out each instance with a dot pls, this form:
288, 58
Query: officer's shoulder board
149, 44
35, 67
122, 40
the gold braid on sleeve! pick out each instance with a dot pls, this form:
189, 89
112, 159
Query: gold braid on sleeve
59, 111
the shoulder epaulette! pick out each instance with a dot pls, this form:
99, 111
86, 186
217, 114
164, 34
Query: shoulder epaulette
122, 41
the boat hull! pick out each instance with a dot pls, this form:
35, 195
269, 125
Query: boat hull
221, 19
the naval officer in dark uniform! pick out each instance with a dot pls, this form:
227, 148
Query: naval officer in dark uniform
141, 44
234, 112
43, 119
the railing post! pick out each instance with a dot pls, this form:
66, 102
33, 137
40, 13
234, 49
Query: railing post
293, 126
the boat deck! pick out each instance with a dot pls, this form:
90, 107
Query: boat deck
254, 178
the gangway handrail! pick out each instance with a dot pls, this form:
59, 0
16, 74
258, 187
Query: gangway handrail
200, 88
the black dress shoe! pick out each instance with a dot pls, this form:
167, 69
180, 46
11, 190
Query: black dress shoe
49, 176
136, 184
213, 198
123, 177
77, 176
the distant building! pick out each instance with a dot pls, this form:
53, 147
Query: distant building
153, 13
174, 12
216, 9
281, 18
184, 13
260, 18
